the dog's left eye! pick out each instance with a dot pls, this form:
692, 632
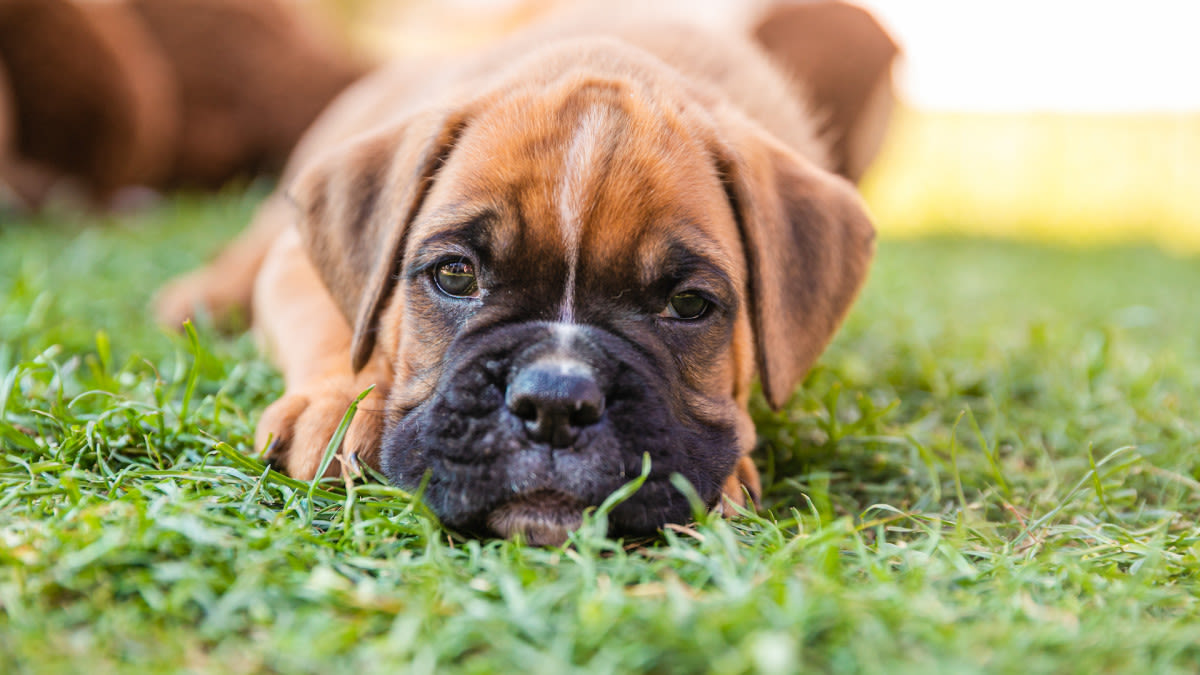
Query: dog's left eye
687, 305
456, 278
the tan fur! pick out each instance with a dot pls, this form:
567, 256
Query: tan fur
717, 149
319, 387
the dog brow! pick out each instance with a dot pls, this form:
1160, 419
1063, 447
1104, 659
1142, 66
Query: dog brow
676, 260
466, 237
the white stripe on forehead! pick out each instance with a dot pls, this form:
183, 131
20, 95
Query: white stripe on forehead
580, 164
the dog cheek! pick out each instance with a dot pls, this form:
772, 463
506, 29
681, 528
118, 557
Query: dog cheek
708, 373
423, 333
398, 455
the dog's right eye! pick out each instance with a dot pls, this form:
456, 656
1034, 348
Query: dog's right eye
456, 278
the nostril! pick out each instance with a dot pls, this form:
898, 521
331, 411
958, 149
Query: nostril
524, 408
587, 412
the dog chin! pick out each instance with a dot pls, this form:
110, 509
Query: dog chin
541, 518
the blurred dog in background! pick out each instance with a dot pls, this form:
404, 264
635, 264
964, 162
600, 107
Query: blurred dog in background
96, 97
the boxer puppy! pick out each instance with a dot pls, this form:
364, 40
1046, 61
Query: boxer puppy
549, 259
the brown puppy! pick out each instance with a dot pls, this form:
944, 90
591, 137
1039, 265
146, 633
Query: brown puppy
550, 258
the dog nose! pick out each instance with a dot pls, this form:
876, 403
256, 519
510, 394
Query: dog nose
556, 399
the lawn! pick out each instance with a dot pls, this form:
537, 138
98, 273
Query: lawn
992, 469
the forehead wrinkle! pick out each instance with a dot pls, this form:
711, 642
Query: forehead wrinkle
454, 220
497, 179
627, 165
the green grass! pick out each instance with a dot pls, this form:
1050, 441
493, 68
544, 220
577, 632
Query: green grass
993, 469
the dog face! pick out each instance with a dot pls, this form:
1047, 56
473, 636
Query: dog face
562, 316
569, 275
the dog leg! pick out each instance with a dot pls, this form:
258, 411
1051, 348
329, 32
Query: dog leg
309, 339
226, 284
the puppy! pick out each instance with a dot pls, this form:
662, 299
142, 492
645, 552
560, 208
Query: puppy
552, 257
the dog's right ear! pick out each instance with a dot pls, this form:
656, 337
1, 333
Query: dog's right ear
356, 205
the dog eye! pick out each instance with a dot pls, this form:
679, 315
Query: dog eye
456, 278
687, 305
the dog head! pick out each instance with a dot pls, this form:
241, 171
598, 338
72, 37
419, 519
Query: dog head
572, 269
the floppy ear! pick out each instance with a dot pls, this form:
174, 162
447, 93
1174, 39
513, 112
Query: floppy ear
808, 242
842, 58
356, 206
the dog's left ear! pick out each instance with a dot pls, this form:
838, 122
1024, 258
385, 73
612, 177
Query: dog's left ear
356, 205
841, 58
808, 242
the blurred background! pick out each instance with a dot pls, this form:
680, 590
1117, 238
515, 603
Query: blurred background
1063, 120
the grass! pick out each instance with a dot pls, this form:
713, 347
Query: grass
993, 469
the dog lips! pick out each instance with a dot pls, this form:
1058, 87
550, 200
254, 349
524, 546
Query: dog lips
542, 517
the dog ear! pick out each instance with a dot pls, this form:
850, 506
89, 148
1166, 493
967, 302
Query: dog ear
808, 242
842, 60
356, 205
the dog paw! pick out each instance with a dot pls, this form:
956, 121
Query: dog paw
202, 291
744, 481
296, 429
